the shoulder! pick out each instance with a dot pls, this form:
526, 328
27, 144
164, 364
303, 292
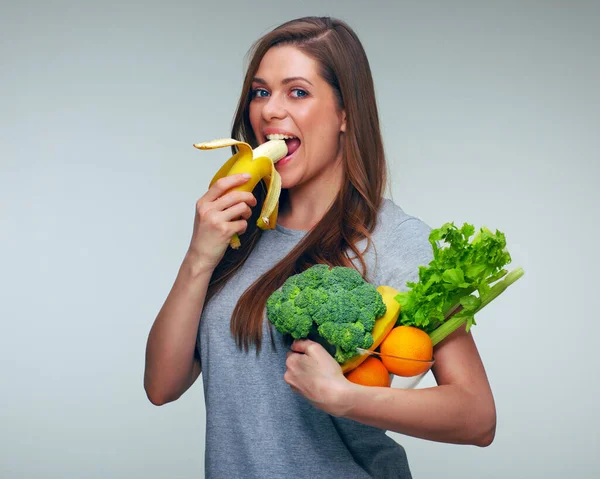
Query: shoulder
401, 244
398, 231
393, 219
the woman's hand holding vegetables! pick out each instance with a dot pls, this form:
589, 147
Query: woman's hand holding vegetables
313, 373
220, 214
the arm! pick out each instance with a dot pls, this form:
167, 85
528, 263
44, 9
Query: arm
459, 410
171, 366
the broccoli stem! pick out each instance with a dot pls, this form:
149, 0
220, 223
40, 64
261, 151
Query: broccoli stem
452, 323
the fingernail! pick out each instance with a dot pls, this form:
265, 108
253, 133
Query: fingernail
246, 176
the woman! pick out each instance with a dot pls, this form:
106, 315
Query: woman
273, 411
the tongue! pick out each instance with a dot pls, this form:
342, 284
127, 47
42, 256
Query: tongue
292, 145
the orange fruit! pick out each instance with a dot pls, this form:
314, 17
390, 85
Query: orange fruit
410, 343
371, 372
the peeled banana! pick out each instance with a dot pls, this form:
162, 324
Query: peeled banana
260, 163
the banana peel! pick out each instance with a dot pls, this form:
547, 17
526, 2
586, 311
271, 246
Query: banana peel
260, 164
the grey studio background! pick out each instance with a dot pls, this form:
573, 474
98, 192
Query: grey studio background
490, 114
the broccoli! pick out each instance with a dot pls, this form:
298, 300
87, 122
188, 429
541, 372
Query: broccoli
346, 337
337, 303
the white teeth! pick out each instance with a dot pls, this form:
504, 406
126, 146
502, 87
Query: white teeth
279, 136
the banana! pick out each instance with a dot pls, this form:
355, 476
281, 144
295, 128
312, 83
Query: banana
260, 163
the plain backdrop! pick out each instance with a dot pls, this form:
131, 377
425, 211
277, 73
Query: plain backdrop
490, 114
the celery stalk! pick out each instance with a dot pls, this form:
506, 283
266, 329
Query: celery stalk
453, 322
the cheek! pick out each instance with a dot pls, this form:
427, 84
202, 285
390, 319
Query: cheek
254, 115
326, 122
327, 134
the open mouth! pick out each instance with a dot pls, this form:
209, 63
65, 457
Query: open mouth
292, 143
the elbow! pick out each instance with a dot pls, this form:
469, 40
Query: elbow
486, 439
157, 396
486, 430
156, 399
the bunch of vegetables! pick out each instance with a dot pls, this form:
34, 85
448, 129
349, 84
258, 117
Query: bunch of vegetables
338, 308
460, 280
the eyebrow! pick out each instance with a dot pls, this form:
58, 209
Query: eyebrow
285, 81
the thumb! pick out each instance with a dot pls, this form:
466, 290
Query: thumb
303, 346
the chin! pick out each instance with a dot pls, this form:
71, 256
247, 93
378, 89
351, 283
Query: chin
287, 181
286, 185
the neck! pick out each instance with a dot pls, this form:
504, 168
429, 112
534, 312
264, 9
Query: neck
307, 203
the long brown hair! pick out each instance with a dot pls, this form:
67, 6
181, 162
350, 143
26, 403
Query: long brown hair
352, 216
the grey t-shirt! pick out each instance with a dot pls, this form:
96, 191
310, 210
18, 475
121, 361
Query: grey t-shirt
256, 427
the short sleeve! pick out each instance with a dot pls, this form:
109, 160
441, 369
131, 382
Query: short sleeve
406, 247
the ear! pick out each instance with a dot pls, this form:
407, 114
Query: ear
343, 125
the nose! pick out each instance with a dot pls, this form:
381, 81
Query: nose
273, 109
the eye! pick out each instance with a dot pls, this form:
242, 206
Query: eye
259, 93
299, 93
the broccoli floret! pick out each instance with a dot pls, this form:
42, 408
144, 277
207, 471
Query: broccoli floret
342, 278
337, 302
346, 337
290, 288
313, 277
369, 304
312, 300
339, 307
287, 317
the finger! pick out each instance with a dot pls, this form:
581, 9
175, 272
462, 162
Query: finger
236, 211
302, 345
233, 198
291, 358
247, 214
290, 381
239, 227
224, 184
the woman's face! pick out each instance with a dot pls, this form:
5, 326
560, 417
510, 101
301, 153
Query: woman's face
290, 98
